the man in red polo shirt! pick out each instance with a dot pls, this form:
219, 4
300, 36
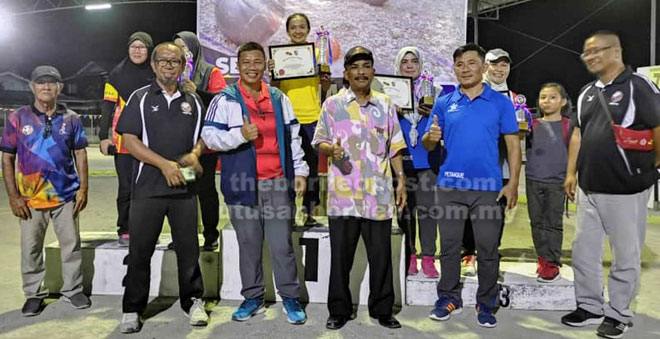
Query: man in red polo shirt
254, 128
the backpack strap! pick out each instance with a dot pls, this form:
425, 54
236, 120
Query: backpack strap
566, 130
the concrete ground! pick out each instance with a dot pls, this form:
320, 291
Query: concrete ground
166, 320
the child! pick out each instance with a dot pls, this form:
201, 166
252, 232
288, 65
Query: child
545, 172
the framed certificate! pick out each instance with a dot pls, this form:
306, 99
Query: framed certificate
398, 88
293, 61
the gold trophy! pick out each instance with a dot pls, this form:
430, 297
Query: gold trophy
325, 53
426, 90
521, 114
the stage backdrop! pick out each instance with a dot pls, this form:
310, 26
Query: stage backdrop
437, 27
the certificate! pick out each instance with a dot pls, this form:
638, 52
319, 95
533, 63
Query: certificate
398, 88
292, 61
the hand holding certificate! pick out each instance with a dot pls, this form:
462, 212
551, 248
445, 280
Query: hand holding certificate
292, 61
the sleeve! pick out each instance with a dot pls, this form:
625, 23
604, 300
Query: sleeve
324, 130
130, 121
79, 136
397, 142
216, 81
110, 101
300, 167
222, 125
508, 121
648, 102
9, 137
575, 118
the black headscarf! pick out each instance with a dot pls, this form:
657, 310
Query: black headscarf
202, 68
126, 77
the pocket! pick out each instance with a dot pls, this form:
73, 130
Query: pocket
378, 141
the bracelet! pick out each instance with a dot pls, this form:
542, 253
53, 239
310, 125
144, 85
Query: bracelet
400, 174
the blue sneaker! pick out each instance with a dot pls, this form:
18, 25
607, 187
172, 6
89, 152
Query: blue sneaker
248, 308
294, 312
444, 307
485, 317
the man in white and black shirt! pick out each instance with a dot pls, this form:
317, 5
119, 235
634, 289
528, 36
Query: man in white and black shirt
614, 185
159, 125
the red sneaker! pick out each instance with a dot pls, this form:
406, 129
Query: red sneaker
428, 267
540, 265
412, 270
550, 273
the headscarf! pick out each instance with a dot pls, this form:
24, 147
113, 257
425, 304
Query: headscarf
413, 117
202, 69
126, 77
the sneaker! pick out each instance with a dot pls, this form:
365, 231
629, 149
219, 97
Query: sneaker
78, 300
428, 267
540, 265
468, 267
124, 240
294, 312
197, 313
248, 308
412, 269
445, 307
580, 318
170, 246
210, 246
32, 307
485, 316
611, 328
311, 222
130, 323
549, 273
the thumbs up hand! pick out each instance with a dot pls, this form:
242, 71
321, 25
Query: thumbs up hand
337, 150
249, 130
435, 132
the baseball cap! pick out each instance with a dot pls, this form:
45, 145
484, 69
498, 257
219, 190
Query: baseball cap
497, 54
357, 53
46, 71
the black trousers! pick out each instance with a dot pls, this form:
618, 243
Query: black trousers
545, 204
469, 247
208, 197
124, 169
311, 198
454, 208
146, 223
344, 235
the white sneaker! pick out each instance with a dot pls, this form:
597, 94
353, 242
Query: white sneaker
130, 323
197, 313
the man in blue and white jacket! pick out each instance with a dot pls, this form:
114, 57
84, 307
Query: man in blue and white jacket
254, 128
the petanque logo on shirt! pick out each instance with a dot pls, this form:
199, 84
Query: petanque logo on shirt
616, 98
27, 129
154, 108
186, 108
453, 108
63, 129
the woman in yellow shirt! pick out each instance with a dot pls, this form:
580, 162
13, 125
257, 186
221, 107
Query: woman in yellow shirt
306, 98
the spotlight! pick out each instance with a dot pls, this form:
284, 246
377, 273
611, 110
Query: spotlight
98, 6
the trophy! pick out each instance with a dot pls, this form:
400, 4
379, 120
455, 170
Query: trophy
426, 90
325, 52
188, 67
523, 115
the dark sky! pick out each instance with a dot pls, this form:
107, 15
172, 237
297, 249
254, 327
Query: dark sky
70, 38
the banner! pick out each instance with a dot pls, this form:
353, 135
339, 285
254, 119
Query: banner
436, 27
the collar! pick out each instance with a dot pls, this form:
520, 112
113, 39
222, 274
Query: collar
486, 94
503, 87
155, 89
59, 109
265, 94
621, 78
350, 96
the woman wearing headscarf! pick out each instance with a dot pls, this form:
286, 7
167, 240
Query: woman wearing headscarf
207, 80
133, 72
417, 166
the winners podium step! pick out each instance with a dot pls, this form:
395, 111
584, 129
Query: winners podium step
520, 289
104, 269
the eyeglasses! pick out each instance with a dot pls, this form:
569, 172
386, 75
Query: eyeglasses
594, 51
48, 127
171, 62
138, 48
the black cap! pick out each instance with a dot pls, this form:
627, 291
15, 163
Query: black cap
46, 71
357, 53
